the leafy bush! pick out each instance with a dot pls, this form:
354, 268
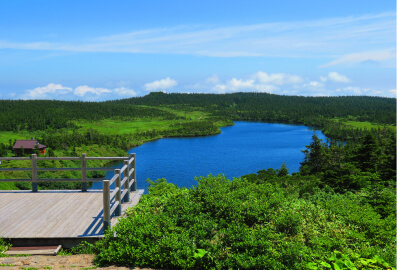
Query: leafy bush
223, 224
3, 246
339, 260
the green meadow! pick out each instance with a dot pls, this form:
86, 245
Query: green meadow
367, 125
121, 126
6, 136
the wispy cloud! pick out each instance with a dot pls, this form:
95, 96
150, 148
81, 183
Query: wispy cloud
332, 84
345, 39
83, 92
364, 57
161, 84
47, 92
335, 77
258, 82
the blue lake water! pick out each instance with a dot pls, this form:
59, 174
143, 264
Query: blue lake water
244, 148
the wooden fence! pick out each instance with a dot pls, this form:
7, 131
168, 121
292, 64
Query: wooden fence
121, 192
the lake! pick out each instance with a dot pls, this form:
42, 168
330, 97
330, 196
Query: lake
244, 148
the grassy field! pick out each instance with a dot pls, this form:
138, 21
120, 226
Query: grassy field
116, 126
193, 114
110, 126
367, 125
6, 136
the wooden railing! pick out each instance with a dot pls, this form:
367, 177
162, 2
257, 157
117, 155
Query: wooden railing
121, 192
128, 183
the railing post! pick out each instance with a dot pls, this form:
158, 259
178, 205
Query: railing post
133, 186
83, 172
35, 185
106, 205
117, 212
127, 183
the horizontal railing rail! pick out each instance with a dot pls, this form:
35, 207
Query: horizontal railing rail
35, 169
120, 194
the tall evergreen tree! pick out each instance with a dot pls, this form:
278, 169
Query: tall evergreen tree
315, 156
367, 154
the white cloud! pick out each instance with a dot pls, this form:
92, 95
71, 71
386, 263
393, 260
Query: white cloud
234, 85
238, 84
122, 91
161, 84
359, 91
84, 89
258, 82
277, 78
220, 88
355, 90
385, 55
313, 88
266, 88
212, 79
314, 84
83, 92
335, 77
49, 91
204, 86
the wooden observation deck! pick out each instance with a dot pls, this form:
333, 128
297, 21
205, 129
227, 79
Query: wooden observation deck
66, 217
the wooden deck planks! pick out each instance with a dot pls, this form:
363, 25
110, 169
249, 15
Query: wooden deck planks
29, 203
50, 214
49, 220
92, 204
96, 226
43, 216
61, 215
56, 216
40, 216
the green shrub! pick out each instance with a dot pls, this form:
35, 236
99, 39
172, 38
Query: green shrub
4, 245
224, 224
352, 261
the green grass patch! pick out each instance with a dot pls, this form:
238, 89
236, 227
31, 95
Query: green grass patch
121, 126
367, 125
193, 114
6, 136
352, 122
111, 126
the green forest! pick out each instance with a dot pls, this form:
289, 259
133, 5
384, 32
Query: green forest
337, 212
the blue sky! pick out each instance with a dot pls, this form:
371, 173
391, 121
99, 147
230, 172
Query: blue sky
102, 50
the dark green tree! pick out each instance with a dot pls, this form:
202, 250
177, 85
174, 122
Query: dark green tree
283, 171
315, 159
367, 154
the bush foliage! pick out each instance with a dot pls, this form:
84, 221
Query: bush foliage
243, 224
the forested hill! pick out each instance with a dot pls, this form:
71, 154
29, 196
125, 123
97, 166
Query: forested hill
270, 107
34, 115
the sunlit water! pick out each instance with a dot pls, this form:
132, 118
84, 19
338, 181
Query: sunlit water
241, 149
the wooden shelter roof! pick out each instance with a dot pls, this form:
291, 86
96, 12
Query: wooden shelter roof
28, 144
